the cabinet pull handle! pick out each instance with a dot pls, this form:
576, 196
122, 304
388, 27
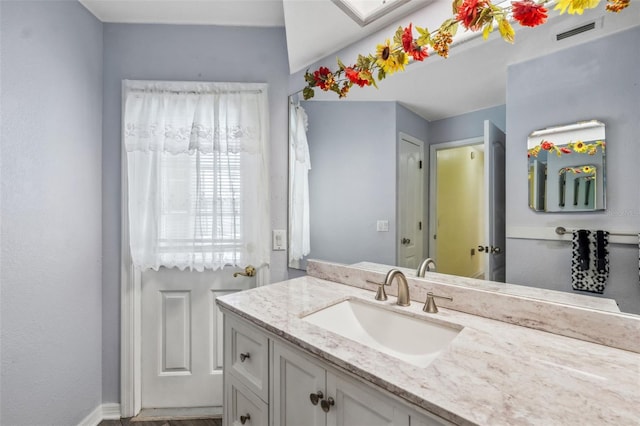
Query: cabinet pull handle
244, 419
316, 397
244, 356
326, 404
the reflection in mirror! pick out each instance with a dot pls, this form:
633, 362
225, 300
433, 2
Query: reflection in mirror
567, 168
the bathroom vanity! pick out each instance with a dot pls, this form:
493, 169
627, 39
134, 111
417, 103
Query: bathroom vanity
293, 357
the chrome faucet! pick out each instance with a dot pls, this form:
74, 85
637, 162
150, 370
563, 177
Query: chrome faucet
425, 266
403, 287
430, 303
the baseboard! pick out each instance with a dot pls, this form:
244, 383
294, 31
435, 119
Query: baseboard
101, 412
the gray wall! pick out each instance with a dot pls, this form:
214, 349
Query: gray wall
599, 80
51, 212
465, 126
352, 180
177, 52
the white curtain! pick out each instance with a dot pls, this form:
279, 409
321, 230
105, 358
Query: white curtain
299, 166
198, 175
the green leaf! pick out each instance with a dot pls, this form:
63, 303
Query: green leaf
309, 78
453, 29
397, 37
340, 64
381, 74
455, 5
307, 93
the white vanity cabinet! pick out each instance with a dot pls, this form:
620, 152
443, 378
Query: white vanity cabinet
336, 401
301, 390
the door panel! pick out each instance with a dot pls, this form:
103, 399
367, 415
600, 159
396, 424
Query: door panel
182, 336
494, 146
410, 203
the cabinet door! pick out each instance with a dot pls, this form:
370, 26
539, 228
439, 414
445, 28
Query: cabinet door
357, 405
294, 379
243, 406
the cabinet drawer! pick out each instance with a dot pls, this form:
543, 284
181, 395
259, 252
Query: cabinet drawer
247, 356
244, 407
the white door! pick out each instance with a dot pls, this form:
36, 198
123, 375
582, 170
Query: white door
494, 166
410, 202
355, 405
182, 336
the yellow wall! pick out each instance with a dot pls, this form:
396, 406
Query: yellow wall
460, 211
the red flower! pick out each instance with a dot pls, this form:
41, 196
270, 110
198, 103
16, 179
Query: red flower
565, 150
546, 145
407, 38
411, 47
468, 13
528, 13
323, 78
354, 76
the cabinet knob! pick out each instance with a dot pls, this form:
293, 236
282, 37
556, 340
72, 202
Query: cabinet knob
316, 397
244, 356
244, 419
326, 404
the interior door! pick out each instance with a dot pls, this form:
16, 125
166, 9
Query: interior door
494, 175
182, 337
410, 202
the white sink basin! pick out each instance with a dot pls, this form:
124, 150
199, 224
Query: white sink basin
410, 339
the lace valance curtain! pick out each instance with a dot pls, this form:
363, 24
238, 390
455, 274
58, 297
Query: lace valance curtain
299, 166
197, 174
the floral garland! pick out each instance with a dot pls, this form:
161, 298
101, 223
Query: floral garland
590, 171
578, 147
474, 15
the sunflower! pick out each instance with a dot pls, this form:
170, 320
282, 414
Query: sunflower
389, 60
588, 169
575, 6
580, 147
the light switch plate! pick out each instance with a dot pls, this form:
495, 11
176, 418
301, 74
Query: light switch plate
279, 239
382, 226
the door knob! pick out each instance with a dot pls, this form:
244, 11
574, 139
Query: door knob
326, 404
405, 241
496, 250
244, 356
316, 397
483, 248
244, 419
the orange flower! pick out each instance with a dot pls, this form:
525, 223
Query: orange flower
440, 43
355, 76
529, 13
617, 5
546, 145
469, 13
565, 150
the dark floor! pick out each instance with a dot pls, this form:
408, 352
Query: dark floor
194, 422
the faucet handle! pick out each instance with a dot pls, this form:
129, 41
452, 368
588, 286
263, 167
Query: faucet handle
430, 303
381, 294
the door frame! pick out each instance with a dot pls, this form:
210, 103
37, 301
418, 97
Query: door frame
433, 157
424, 157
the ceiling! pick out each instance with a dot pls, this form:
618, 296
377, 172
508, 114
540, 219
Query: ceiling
474, 76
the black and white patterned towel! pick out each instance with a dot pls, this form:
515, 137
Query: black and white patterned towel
590, 260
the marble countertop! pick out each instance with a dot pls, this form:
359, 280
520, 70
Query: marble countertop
492, 373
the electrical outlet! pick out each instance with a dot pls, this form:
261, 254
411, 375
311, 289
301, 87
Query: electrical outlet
279, 239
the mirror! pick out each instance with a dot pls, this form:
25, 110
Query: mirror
365, 160
566, 168
350, 205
